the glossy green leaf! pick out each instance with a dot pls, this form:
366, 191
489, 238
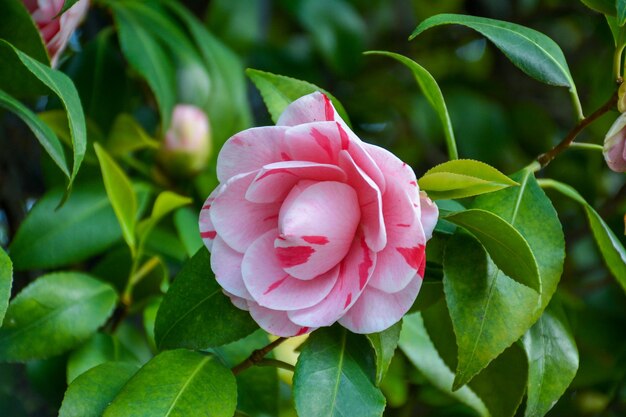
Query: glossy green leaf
462, 178
196, 314
531, 51
433, 94
335, 375
416, 344
553, 360
610, 246
180, 383
148, 58
53, 314
279, 91
6, 281
90, 393
61, 85
384, 344
127, 136
186, 222
67, 4
506, 246
49, 238
606, 7
165, 203
18, 28
46, 137
100, 348
121, 195
618, 32
620, 6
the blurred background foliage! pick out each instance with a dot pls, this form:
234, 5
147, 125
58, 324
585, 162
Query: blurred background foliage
500, 116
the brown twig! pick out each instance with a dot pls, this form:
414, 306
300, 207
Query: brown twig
257, 356
546, 158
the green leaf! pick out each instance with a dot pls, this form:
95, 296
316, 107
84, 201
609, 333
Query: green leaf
148, 58
416, 344
100, 348
61, 85
279, 91
606, 7
610, 246
49, 238
186, 222
128, 136
6, 281
53, 314
553, 360
531, 51
196, 314
166, 202
178, 383
384, 344
433, 94
620, 6
618, 32
90, 393
463, 178
506, 246
67, 4
18, 28
121, 195
335, 376
46, 137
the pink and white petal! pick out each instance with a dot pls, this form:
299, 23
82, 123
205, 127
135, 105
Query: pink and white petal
358, 151
354, 274
226, 264
274, 181
376, 310
317, 227
314, 107
315, 142
391, 166
370, 201
207, 230
238, 221
275, 322
271, 287
251, 149
240, 303
429, 214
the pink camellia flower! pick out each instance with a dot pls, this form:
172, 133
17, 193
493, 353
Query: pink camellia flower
615, 145
310, 225
56, 30
187, 144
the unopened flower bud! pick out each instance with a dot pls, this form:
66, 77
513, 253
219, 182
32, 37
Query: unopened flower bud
187, 144
615, 145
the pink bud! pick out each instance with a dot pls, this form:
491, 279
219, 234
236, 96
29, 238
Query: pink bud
56, 30
615, 145
187, 144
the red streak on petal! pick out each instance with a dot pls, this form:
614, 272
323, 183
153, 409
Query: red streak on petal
415, 205
316, 240
422, 268
285, 156
364, 266
208, 235
413, 256
403, 164
206, 207
322, 141
345, 141
302, 331
293, 255
237, 141
274, 172
329, 112
413, 183
275, 285
403, 225
275, 216
348, 300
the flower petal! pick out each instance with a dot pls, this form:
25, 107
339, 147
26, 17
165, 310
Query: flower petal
429, 215
275, 322
314, 107
207, 230
272, 287
226, 264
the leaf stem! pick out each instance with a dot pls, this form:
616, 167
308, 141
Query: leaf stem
546, 158
617, 64
588, 146
257, 356
577, 106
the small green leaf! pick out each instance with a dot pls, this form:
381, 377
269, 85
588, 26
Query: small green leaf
433, 94
127, 136
463, 178
166, 202
90, 393
121, 194
100, 348
553, 360
606, 7
279, 91
67, 4
610, 246
384, 344
196, 314
620, 6
531, 51
186, 222
6, 281
49, 238
53, 314
335, 376
618, 32
178, 383
506, 246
